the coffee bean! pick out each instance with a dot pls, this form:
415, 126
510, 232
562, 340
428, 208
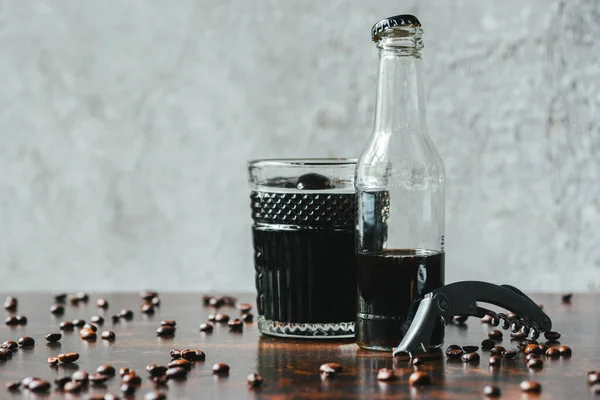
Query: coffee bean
229, 300
66, 326
470, 357
108, 335
13, 386
518, 335
147, 308
593, 377
132, 379
102, 303
533, 348
491, 391
535, 363
39, 386
148, 295
416, 361
10, 303
470, 349
91, 326
487, 344
177, 373
235, 324
326, 371
510, 354
125, 371
5, 354
26, 341
115, 318
28, 379
497, 350
333, 365
83, 297
220, 368
211, 317
60, 298
181, 363
107, 370
222, 318
495, 334
552, 336
385, 374
175, 354
165, 331
543, 347
88, 334
495, 360
10, 344
128, 390
160, 380
57, 309
156, 370
61, 382
53, 337
98, 320
80, 376
531, 356
78, 323
566, 298
254, 380
11, 320
460, 319
21, 320
206, 299
193, 355
52, 360
553, 352
531, 387
126, 314
73, 299
487, 319
168, 322
154, 395
72, 387
244, 307
420, 378
565, 351
216, 302
68, 357
454, 351
207, 327
97, 378
247, 317
155, 302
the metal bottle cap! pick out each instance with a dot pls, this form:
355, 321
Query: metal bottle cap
391, 22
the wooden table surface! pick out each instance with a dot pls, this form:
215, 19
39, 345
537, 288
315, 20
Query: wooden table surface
290, 368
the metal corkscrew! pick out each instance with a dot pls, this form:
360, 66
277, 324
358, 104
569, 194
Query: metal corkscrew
461, 298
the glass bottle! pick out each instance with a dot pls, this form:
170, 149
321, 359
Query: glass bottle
400, 195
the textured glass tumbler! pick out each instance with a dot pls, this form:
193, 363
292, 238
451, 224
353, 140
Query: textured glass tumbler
304, 246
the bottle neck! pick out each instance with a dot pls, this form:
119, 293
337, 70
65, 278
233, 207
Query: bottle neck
400, 102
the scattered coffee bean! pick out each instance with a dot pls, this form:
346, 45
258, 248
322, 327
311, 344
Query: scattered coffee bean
518, 335
88, 334
126, 314
495, 334
552, 336
102, 303
565, 351
247, 317
148, 295
220, 368
207, 327
491, 391
132, 379
385, 374
11, 321
147, 308
127, 389
160, 380
533, 348
80, 376
156, 370
10, 303
155, 395
108, 335
416, 361
222, 318
420, 378
10, 344
53, 337
60, 297
193, 355
21, 319
531, 356
96, 319
454, 351
107, 370
164, 331
168, 322
175, 354
460, 319
39, 386
235, 324
61, 382
254, 380
78, 323
68, 357
470, 357
66, 326
13, 386
244, 307
543, 347
90, 326
52, 360
553, 352
487, 319
216, 302
531, 387
115, 318
181, 363
57, 309
26, 341
155, 302
83, 297
470, 349
73, 299
211, 317
593, 377
495, 360
72, 387
5, 354
97, 378
510, 354
566, 298
27, 380
487, 344
497, 350
229, 300
206, 299
176, 373
535, 363
125, 371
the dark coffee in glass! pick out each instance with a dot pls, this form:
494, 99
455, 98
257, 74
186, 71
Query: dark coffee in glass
304, 247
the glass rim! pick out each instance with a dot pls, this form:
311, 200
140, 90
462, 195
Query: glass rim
301, 162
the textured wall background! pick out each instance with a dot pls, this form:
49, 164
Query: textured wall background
125, 128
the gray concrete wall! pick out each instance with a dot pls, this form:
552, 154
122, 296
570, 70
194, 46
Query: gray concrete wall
125, 127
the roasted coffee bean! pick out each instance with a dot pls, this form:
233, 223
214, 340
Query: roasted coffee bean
27, 380
334, 366
247, 317
73, 299
115, 318
244, 307
566, 298
454, 351
552, 336
66, 326
216, 302
13, 386
53, 337
148, 295
470, 357
90, 326
487, 319
385, 374
510, 354
78, 323
235, 324
96, 319
132, 379
193, 355
5, 354
552, 352
175, 354
156, 370
72, 387
154, 395
83, 297
222, 318
88, 334
206, 299
487, 344
497, 350
107, 370
176, 373
531, 387
160, 380
68, 357
108, 335
21, 319
495, 360
416, 361
254, 380
491, 391
518, 335
52, 360
543, 347
533, 348
470, 349
26, 341
60, 297
531, 356
155, 302
460, 319
565, 351
61, 382
10, 344
593, 377
147, 308
39, 386
207, 327
128, 389
168, 322
10, 303
229, 300
180, 363
126, 314
80, 376
125, 371
11, 320
535, 363
102, 303
420, 378
220, 368
495, 334
211, 317
164, 331
57, 309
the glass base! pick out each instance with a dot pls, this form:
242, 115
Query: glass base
305, 331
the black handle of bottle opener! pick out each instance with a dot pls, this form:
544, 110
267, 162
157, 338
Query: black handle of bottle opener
461, 298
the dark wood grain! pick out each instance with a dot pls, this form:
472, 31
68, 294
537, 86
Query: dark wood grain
290, 368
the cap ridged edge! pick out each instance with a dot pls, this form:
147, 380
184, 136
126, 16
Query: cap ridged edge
407, 20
